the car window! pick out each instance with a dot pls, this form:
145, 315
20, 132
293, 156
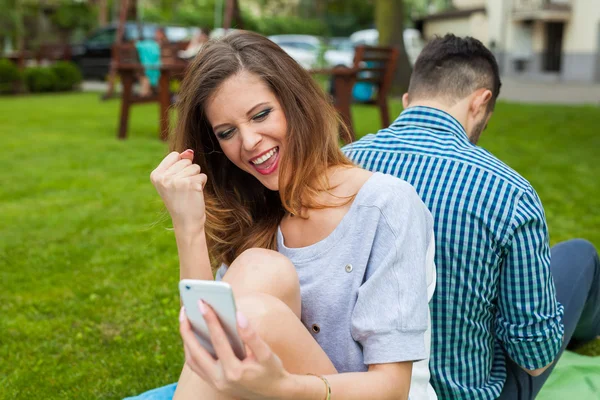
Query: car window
345, 46
298, 45
177, 34
132, 32
308, 46
105, 37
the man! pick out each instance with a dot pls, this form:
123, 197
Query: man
497, 319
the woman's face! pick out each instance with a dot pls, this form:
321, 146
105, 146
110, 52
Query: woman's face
250, 125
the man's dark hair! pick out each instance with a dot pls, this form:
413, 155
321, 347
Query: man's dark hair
453, 67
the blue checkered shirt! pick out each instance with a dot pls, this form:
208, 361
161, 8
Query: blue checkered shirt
495, 293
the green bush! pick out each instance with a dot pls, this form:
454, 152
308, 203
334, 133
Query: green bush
70, 15
40, 79
10, 76
285, 25
68, 76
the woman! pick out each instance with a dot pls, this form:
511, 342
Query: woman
331, 265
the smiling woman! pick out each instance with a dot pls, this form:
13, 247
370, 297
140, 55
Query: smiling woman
253, 139
255, 99
331, 266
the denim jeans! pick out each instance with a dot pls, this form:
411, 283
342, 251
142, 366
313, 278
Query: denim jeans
161, 393
576, 270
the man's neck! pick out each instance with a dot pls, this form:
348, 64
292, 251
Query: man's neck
453, 111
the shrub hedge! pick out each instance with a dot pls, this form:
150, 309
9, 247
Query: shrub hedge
67, 74
60, 76
10, 76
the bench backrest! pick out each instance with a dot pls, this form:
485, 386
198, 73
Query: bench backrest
376, 65
53, 52
126, 53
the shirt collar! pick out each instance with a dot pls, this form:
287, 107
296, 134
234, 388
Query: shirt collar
432, 118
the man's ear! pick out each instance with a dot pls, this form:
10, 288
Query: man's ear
480, 101
405, 100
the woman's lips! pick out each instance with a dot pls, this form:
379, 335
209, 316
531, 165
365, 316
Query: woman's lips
269, 166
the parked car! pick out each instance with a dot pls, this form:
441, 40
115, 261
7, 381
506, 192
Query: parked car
369, 37
305, 49
413, 43
94, 54
340, 52
220, 32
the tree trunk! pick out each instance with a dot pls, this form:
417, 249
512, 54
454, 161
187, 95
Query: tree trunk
102, 12
233, 16
112, 73
389, 19
19, 28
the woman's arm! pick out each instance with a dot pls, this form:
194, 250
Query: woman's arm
180, 184
382, 381
194, 262
261, 374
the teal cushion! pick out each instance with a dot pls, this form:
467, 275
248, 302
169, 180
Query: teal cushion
149, 55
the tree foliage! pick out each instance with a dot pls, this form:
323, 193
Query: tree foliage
69, 15
180, 12
389, 18
346, 16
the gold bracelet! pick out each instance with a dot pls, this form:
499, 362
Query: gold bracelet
327, 386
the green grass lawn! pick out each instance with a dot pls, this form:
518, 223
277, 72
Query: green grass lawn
88, 295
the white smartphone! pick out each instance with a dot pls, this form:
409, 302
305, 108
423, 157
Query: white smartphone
220, 297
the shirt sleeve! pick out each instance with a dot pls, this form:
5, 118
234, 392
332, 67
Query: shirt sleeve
391, 316
529, 316
220, 272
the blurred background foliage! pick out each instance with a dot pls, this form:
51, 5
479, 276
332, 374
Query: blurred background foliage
68, 21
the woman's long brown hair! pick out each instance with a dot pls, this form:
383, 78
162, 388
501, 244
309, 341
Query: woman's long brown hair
242, 213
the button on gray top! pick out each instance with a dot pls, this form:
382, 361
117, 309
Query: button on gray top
349, 268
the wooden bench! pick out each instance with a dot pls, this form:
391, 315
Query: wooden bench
377, 65
46, 52
20, 58
372, 65
52, 52
129, 70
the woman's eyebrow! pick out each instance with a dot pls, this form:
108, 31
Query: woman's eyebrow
251, 111
248, 114
216, 128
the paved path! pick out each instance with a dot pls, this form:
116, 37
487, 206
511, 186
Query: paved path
520, 91
96, 86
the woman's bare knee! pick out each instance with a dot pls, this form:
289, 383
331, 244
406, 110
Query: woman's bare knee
265, 271
283, 331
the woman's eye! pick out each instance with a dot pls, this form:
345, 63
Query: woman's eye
261, 116
225, 134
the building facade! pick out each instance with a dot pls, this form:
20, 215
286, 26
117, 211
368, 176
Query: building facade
553, 40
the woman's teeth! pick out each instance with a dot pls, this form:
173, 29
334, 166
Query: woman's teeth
265, 157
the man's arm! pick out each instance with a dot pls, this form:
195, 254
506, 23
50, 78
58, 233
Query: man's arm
539, 371
529, 316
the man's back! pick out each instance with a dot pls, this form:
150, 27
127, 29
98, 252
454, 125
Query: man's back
494, 292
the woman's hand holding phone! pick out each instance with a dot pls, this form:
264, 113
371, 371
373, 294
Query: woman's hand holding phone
259, 376
179, 183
